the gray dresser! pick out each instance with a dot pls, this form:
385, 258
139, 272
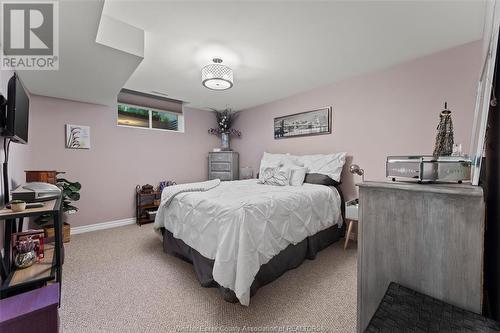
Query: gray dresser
223, 165
427, 237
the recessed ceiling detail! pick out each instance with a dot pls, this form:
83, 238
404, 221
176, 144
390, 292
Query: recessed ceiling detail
217, 76
95, 58
280, 48
275, 48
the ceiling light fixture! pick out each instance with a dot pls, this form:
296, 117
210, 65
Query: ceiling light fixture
217, 76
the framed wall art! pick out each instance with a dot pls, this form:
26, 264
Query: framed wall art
314, 122
77, 136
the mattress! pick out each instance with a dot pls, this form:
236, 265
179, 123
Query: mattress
242, 225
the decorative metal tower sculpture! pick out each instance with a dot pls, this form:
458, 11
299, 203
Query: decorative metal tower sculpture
444, 137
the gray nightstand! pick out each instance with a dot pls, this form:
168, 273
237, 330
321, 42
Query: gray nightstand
223, 165
351, 216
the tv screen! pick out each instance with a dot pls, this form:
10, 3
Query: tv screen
18, 103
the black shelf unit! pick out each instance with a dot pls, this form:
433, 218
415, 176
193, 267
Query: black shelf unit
19, 280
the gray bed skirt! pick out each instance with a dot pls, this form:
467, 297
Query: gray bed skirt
289, 258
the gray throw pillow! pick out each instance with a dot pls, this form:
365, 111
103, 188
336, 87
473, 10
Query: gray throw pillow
320, 179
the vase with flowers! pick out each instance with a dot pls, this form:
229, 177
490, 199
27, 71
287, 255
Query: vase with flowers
225, 119
25, 256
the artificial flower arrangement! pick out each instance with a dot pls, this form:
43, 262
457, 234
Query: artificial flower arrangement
225, 119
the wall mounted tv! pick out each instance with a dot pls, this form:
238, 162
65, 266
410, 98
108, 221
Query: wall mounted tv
17, 113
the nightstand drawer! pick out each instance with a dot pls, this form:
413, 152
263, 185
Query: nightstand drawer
221, 175
220, 166
221, 157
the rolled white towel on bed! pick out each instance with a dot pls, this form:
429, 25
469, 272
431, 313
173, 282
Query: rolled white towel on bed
170, 192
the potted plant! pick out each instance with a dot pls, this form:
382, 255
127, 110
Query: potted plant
70, 194
225, 119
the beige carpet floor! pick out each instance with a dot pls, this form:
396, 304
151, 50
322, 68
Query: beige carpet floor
120, 280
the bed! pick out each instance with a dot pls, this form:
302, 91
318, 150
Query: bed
241, 235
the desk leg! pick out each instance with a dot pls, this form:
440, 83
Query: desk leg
3, 269
58, 246
20, 224
6, 264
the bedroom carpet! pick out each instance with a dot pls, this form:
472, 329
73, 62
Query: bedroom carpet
120, 280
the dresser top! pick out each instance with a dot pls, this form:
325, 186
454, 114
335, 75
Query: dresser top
458, 189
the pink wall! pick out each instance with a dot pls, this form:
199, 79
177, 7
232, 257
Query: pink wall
389, 112
119, 158
393, 111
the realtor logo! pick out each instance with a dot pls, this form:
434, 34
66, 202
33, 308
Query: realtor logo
30, 35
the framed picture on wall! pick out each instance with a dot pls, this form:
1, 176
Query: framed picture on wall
77, 136
314, 122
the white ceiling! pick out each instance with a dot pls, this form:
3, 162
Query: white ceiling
281, 48
89, 71
275, 48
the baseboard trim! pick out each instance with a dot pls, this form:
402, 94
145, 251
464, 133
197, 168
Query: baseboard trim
102, 226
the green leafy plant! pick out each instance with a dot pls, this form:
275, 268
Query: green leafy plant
70, 194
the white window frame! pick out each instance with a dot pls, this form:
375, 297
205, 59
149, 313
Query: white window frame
180, 119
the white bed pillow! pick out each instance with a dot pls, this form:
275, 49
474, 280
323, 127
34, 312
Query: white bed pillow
297, 175
325, 164
269, 157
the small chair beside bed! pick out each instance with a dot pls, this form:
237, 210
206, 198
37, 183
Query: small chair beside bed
242, 235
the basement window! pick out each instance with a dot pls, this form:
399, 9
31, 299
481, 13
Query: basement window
129, 115
136, 109
164, 120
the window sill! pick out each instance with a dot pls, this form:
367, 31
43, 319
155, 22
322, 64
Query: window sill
152, 129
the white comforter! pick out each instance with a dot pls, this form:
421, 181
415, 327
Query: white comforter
242, 225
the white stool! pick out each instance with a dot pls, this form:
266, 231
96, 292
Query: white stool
351, 215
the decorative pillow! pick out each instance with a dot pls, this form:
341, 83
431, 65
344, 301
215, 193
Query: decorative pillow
297, 176
267, 164
276, 176
276, 160
316, 178
330, 165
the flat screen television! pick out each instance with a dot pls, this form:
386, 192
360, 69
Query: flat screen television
17, 115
